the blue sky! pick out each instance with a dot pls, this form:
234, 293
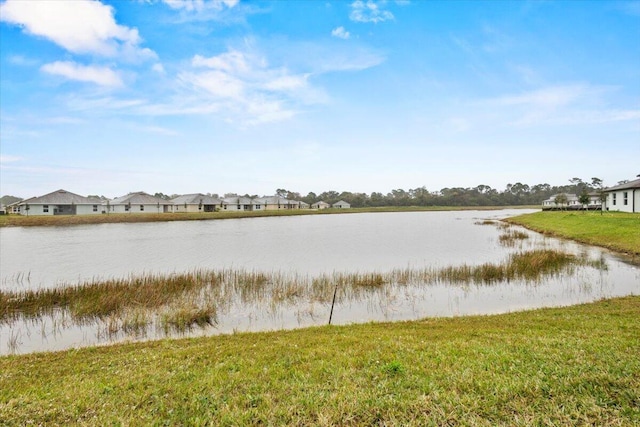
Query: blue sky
250, 96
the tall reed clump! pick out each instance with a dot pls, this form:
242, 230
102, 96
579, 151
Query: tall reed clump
100, 299
510, 237
530, 265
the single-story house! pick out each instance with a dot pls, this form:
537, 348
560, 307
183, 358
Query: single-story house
277, 203
197, 203
60, 202
573, 202
623, 197
139, 202
320, 205
341, 205
240, 204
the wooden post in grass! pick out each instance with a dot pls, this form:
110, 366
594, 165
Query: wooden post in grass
335, 291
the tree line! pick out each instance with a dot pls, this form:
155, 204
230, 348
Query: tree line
481, 195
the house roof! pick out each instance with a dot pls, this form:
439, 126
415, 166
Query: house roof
238, 201
196, 199
61, 197
341, 202
320, 203
274, 200
139, 198
631, 184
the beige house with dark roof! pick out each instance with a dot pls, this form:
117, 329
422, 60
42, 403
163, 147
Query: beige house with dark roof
197, 202
341, 205
139, 202
60, 202
320, 205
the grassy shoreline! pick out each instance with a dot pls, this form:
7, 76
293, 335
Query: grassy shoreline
62, 220
612, 230
556, 366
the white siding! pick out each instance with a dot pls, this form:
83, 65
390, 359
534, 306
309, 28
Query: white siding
623, 200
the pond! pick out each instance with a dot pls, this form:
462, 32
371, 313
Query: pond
302, 248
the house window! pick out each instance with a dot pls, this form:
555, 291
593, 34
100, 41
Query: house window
126, 208
141, 207
95, 208
614, 199
624, 198
45, 208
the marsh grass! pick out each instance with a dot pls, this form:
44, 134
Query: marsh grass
184, 318
195, 298
511, 237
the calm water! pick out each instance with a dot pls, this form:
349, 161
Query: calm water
35, 257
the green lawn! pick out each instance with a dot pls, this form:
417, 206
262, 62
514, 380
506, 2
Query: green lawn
562, 366
613, 230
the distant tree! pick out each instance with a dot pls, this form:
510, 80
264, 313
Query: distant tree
7, 200
584, 199
598, 185
162, 196
293, 195
561, 200
281, 192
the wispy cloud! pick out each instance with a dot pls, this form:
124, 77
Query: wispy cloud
341, 33
370, 11
200, 5
4, 158
245, 84
22, 60
81, 27
562, 104
156, 130
102, 76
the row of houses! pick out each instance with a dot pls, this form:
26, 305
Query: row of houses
62, 202
623, 197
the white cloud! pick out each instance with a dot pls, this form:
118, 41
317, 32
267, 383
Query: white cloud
244, 86
9, 159
556, 105
232, 62
80, 26
549, 97
341, 33
200, 5
369, 11
158, 68
22, 61
286, 83
99, 75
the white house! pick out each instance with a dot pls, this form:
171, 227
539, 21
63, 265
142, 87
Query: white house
341, 205
139, 202
624, 197
573, 202
197, 203
60, 202
320, 205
